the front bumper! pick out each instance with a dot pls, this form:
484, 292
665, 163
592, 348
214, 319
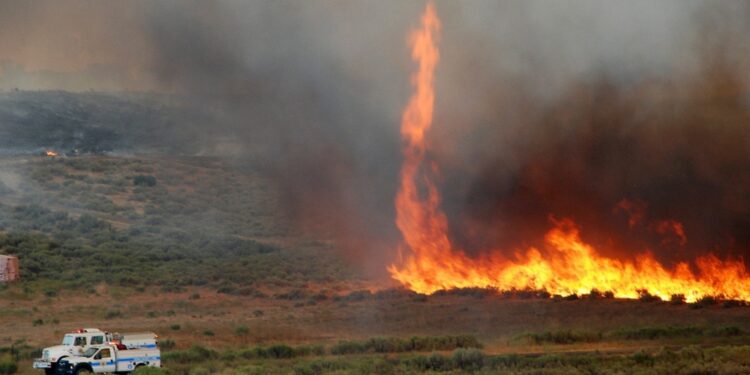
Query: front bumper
42, 364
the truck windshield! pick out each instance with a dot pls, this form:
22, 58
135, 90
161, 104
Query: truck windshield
68, 340
90, 352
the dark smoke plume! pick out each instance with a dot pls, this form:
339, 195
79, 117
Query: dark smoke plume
573, 109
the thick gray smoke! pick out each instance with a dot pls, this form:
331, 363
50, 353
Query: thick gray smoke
564, 108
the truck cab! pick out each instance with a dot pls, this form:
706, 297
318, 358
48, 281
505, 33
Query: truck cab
73, 343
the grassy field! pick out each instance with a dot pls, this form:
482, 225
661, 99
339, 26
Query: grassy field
200, 253
203, 331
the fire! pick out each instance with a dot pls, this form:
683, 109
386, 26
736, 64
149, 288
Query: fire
51, 154
566, 265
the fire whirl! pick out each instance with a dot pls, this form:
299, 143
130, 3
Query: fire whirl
566, 265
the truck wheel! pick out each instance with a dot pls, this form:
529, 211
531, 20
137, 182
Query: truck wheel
82, 371
52, 370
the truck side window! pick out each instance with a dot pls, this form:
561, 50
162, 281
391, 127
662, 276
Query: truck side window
103, 354
97, 340
80, 341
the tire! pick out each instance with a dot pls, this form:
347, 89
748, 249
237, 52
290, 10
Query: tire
53, 368
82, 371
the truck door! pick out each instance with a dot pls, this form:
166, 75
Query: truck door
104, 361
79, 344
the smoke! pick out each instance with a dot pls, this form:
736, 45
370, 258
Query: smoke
563, 108
592, 104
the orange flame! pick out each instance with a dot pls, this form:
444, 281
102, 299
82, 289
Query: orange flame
50, 153
569, 266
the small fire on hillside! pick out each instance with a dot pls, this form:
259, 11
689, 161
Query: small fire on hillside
51, 154
430, 261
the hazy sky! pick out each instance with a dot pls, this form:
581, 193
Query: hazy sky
132, 45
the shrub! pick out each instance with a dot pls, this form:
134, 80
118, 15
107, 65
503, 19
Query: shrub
280, 351
468, 359
226, 289
677, 299
193, 355
253, 353
469, 292
144, 370
645, 296
8, 367
241, 331
705, 301
348, 347
144, 180
595, 294
305, 350
436, 362
355, 296
175, 327
643, 358
167, 344
726, 331
293, 295
653, 333
732, 303
561, 337
388, 345
510, 360
398, 345
322, 366
208, 332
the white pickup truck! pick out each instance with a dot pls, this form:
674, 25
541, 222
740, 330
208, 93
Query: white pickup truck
110, 358
77, 342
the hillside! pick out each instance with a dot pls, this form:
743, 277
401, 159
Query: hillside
151, 220
96, 122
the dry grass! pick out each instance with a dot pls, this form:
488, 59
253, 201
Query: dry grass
495, 321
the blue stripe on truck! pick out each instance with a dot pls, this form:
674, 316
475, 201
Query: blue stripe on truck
156, 358
94, 364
